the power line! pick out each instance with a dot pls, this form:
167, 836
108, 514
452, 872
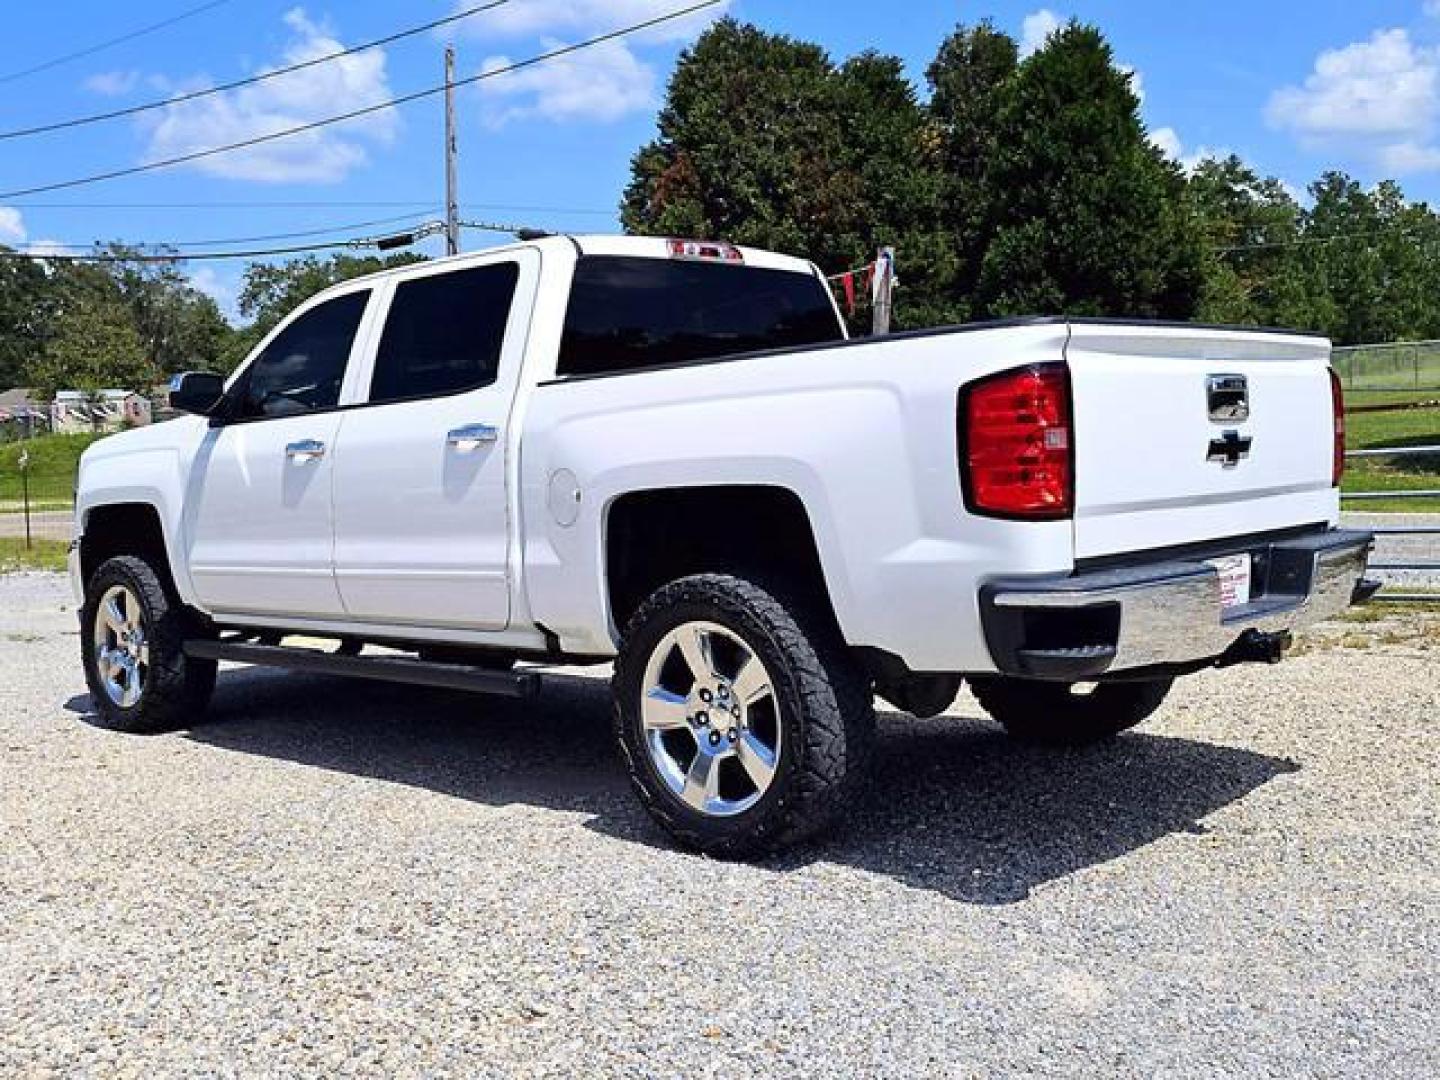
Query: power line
429, 229
211, 256
419, 231
368, 110
313, 204
93, 49
136, 110
267, 238
1311, 241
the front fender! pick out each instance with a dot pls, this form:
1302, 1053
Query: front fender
145, 476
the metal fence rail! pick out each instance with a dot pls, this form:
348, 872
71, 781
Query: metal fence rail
1401, 530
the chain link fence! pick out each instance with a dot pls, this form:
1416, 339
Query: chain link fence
1403, 366
1393, 398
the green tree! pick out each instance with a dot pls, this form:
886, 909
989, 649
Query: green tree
968, 82
94, 346
763, 140
1369, 260
1089, 218
26, 307
273, 290
1251, 227
181, 328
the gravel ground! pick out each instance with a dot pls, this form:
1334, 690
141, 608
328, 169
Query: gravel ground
343, 878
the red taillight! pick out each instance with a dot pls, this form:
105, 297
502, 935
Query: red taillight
1015, 444
1337, 404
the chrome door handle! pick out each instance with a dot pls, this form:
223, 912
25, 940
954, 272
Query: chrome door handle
305, 450
472, 435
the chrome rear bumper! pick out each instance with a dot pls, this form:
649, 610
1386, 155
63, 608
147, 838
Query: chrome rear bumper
1168, 614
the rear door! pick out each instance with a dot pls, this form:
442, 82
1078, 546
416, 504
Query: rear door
1184, 434
422, 527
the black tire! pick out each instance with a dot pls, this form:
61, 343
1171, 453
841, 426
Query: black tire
822, 698
175, 688
1056, 713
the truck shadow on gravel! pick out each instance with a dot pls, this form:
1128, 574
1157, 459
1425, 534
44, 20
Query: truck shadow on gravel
956, 807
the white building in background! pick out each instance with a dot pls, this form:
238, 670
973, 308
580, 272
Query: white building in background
77, 411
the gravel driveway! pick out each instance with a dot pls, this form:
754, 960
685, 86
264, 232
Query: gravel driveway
342, 878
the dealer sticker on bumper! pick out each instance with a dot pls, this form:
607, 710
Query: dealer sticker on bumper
1234, 573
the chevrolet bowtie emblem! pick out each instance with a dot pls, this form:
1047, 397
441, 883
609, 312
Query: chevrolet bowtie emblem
1230, 449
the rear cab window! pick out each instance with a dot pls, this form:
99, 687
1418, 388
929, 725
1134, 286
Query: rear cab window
444, 333
631, 313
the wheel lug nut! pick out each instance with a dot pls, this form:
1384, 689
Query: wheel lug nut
714, 738
733, 735
735, 712
702, 718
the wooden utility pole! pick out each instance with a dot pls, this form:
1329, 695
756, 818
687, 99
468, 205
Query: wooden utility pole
452, 197
883, 294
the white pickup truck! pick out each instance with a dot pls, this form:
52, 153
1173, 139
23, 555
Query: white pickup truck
667, 454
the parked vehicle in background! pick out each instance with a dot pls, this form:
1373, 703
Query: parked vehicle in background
666, 453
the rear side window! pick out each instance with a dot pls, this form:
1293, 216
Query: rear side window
630, 313
303, 369
444, 333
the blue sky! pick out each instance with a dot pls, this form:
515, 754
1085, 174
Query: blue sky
1292, 87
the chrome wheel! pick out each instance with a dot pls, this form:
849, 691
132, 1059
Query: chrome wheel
122, 651
711, 719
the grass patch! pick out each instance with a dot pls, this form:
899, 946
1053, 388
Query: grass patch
1404, 427
1364, 399
52, 457
1380, 611
54, 462
44, 554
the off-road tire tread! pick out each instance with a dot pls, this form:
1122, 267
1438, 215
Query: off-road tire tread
178, 687
1044, 712
836, 717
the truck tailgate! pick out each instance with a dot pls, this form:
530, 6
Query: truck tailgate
1154, 468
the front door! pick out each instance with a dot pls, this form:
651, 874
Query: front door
422, 532
259, 517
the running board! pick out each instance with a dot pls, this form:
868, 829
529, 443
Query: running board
398, 669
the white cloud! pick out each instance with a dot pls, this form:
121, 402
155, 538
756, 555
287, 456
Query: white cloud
1169, 143
325, 155
1409, 157
1137, 81
223, 289
46, 247
12, 226
113, 83
583, 18
1377, 99
1035, 29
601, 84
1167, 140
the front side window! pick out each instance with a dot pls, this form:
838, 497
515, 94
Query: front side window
632, 313
303, 369
444, 333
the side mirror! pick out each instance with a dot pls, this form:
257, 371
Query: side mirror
197, 392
